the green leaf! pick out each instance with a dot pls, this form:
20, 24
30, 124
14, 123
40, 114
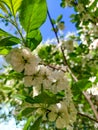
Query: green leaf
26, 111
2, 16
20, 97
32, 14
3, 33
7, 39
33, 39
4, 51
44, 97
59, 18
13, 5
3, 8
26, 126
36, 125
6, 89
53, 21
80, 86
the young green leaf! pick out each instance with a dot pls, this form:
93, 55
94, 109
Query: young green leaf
33, 39
6, 39
59, 18
44, 97
26, 126
32, 14
36, 125
26, 111
9, 41
4, 33
13, 5
53, 21
3, 8
80, 86
4, 51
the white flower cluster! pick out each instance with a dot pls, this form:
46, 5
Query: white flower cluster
41, 77
63, 113
23, 60
68, 45
94, 45
93, 90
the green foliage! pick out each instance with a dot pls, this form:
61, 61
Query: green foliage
79, 87
30, 21
50, 54
12, 5
45, 97
32, 16
33, 39
26, 112
9, 41
2, 6
59, 18
36, 125
27, 125
4, 51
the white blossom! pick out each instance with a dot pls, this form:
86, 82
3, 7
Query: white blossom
68, 45
30, 69
23, 59
93, 90
94, 45
16, 60
92, 79
61, 114
28, 81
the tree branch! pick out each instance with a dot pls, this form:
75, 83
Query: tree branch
91, 104
55, 67
53, 26
87, 117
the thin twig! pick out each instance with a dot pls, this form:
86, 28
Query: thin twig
87, 117
91, 104
53, 26
54, 67
70, 71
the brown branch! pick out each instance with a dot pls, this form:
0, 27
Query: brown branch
87, 117
91, 104
54, 67
70, 71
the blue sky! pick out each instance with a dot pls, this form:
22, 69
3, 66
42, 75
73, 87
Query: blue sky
55, 10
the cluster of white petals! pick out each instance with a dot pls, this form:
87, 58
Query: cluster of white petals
23, 60
91, 29
67, 45
93, 90
43, 77
63, 114
94, 45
